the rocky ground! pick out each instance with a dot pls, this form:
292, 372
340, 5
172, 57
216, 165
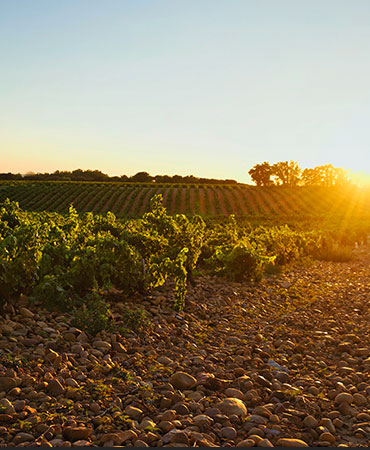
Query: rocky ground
285, 362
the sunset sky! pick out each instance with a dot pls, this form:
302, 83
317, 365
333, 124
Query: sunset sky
202, 87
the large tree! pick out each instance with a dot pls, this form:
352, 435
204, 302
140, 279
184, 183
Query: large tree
286, 173
261, 174
326, 175
141, 177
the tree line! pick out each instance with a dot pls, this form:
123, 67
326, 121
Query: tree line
283, 173
97, 175
288, 173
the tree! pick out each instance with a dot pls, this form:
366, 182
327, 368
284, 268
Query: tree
311, 177
261, 174
141, 177
286, 173
326, 175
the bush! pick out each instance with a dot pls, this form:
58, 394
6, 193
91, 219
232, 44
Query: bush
134, 319
93, 316
243, 261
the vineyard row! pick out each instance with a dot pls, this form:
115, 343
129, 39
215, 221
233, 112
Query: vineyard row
132, 200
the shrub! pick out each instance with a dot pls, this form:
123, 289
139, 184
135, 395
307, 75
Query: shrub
243, 261
93, 316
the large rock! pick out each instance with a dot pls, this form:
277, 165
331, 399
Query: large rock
76, 433
7, 383
182, 380
231, 406
118, 437
344, 397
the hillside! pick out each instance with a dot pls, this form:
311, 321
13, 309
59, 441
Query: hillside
132, 200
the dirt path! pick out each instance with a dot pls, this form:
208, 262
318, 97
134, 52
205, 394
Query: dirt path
126, 202
272, 203
183, 200
122, 193
192, 201
173, 201
202, 201
248, 194
235, 208
211, 202
221, 200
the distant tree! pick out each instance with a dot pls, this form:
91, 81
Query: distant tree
311, 177
163, 179
261, 174
326, 175
286, 173
342, 177
141, 177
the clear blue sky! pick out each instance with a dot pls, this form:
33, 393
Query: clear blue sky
202, 87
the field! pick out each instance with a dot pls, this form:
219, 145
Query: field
132, 200
166, 330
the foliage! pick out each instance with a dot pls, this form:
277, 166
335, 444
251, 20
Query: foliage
261, 174
243, 261
93, 316
326, 175
134, 319
286, 173
65, 261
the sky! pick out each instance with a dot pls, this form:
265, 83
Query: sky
202, 87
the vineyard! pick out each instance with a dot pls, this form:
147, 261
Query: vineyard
132, 200
110, 323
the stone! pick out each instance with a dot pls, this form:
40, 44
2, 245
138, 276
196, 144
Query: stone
327, 423
288, 442
234, 393
262, 411
328, 437
118, 347
55, 388
343, 397
102, 345
170, 414
232, 405
255, 418
202, 421
19, 405
118, 437
26, 312
176, 437
165, 361
23, 437
264, 443
133, 412
228, 433
6, 406
310, 422
7, 383
359, 399
146, 423
140, 443
51, 356
182, 380
76, 433
246, 443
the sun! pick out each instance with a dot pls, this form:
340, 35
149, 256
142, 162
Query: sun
360, 178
